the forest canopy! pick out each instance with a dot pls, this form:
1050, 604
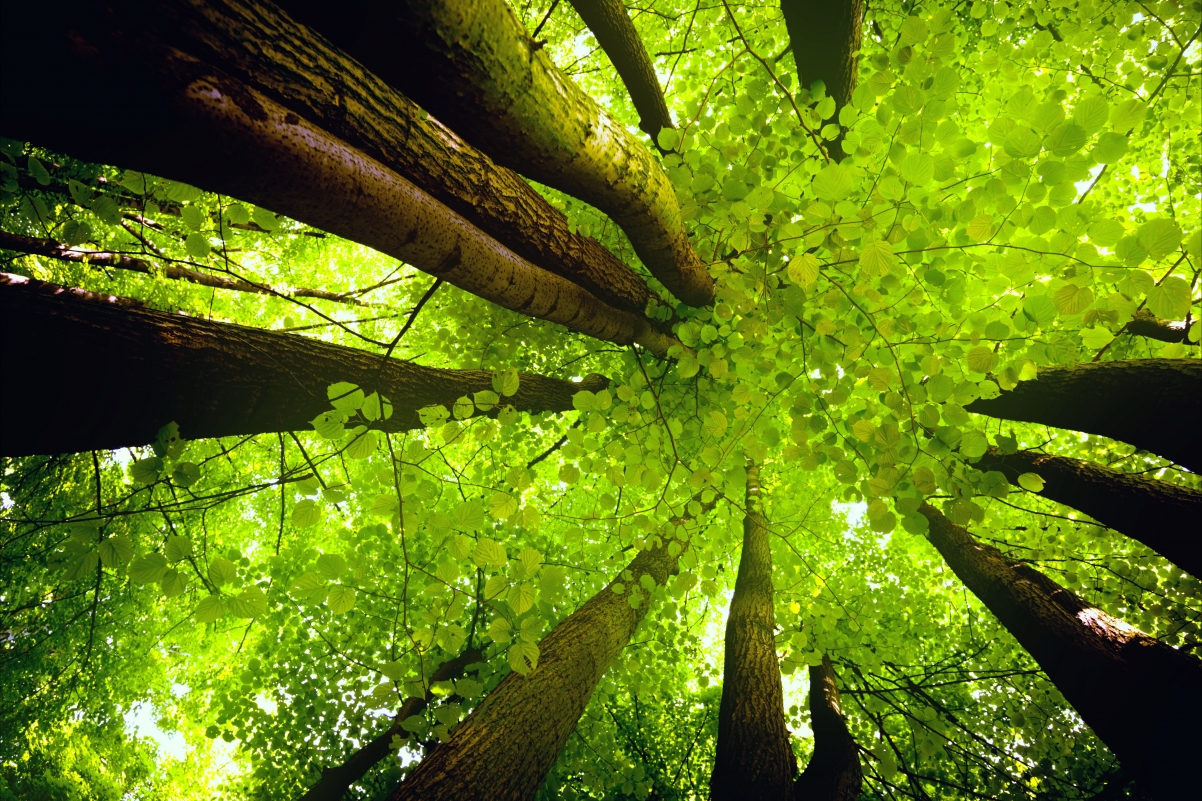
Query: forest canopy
481, 399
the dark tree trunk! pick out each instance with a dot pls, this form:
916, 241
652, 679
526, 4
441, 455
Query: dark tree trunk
1149, 325
1141, 697
1165, 517
1153, 404
753, 760
509, 743
834, 772
472, 64
825, 39
336, 780
85, 371
615, 32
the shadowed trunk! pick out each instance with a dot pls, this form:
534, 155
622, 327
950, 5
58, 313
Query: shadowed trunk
1142, 698
509, 743
1165, 517
336, 780
1149, 325
753, 759
472, 64
87, 371
188, 121
825, 38
1153, 404
611, 24
834, 772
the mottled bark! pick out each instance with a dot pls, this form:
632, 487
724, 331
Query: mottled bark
336, 780
1165, 517
1146, 324
825, 36
834, 772
506, 747
1153, 404
1142, 698
472, 64
87, 371
615, 32
191, 122
753, 759
118, 261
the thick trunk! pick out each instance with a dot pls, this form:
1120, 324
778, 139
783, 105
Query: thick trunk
825, 37
472, 65
615, 32
118, 261
753, 759
506, 747
1153, 404
1141, 697
336, 780
86, 371
188, 121
834, 772
1165, 517
1149, 325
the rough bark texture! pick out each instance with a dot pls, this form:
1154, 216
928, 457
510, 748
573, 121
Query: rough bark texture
86, 371
753, 759
506, 747
825, 35
1165, 517
1153, 404
834, 772
1142, 698
615, 32
118, 261
192, 122
336, 780
1149, 325
472, 65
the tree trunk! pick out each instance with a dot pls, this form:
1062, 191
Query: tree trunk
337, 780
188, 121
753, 759
509, 743
118, 261
1153, 404
472, 65
1165, 517
85, 371
834, 772
1142, 698
611, 24
1146, 324
826, 41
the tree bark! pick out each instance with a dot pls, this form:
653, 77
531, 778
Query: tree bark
509, 743
1165, 517
85, 371
1153, 404
834, 772
826, 42
615, 32
118, 261
753, 759
1142, 698
472, 65
337, 780
1146, 324
188, 121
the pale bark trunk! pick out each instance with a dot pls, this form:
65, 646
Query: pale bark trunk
1142, 698
834, 772
825, 36
474, 66
85, 371
1153, 404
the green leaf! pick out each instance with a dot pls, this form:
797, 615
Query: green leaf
668, 138
146, 471
305, 513
116, 551
1091, 113
468, 515
917, 168
265, 219
506, 382
584, 401
495, 586
520, 597
1066, 139
1040, 308
803, 269
530, 560
523, 657
251, 602
345, 396
876, 258
83, 565
331, 565
148, 569
192, 217
1032, 482
1170, 300
222, 570
1127, 114
1022, 143
489, 553
196, 245
1106, 233
363, 445
178, 548
310, 587
980, 359
1110, 148
502, 505
1072, 299
1159, 237
340, 599
210, 609
174, 582
833, 182
185, 474
980, 228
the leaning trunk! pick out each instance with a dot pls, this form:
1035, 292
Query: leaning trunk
1165, 517
473, 66
506, 747
1142, 698
1153, 404
825, 38
88, 371
753, 759
834, 772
